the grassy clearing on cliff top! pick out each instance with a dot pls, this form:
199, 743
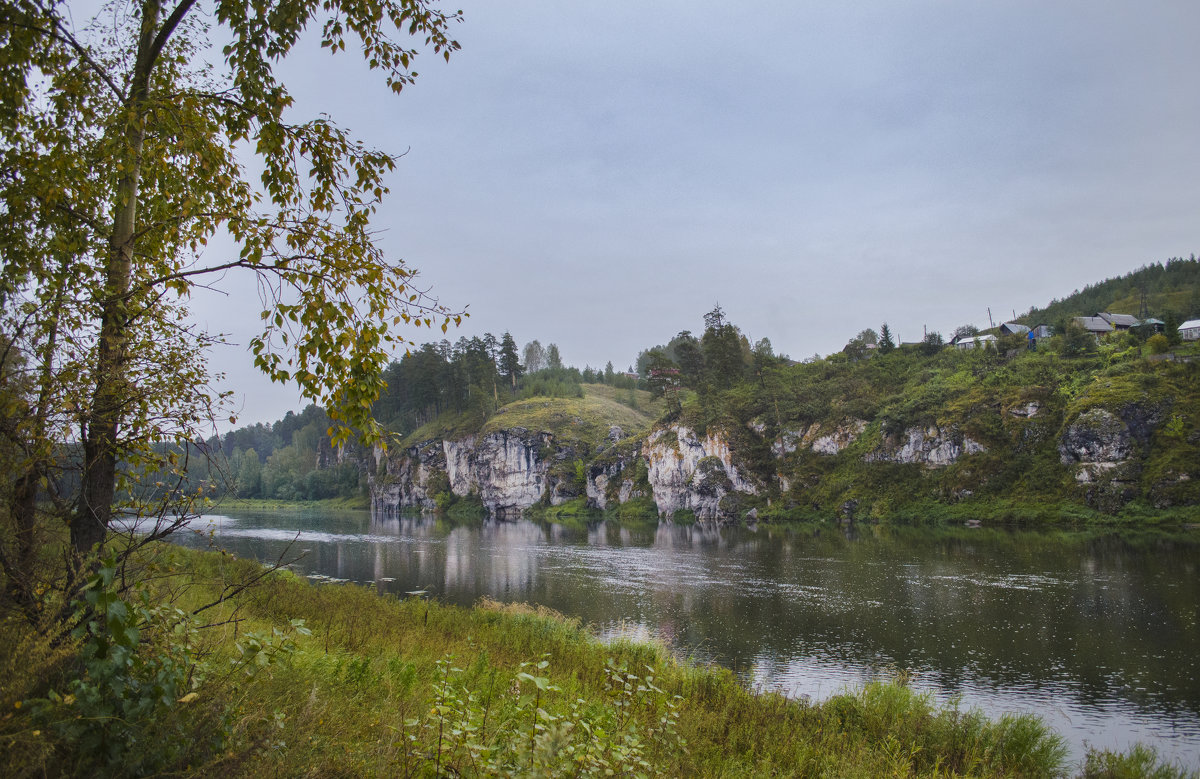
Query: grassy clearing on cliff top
374, 686
585, 419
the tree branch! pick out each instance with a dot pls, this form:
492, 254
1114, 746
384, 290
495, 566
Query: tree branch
62, 35
165, 32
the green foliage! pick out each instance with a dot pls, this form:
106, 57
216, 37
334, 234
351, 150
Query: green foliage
139, 702
886, 344
683, 517
508, 362
618, 734
572, 512
469, 508
1158, 344
932, 343
1139, 762
636, 510
127, 144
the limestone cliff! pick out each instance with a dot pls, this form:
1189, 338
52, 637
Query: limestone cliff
505, 469
996, 445
686, 472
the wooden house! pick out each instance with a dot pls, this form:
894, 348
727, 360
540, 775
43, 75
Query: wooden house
1012, 328
1119, 321
1094, 325
975, 341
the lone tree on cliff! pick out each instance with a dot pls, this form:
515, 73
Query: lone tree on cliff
122, 145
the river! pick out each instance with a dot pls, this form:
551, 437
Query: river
1096, 632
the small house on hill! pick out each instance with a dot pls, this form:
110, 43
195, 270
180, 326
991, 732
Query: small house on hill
1119, 321
975, 341
1190, 330
1012, 328
1094, 325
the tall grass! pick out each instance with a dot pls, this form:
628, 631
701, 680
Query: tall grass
411, 687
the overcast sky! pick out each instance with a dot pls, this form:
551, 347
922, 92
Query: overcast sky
598, 175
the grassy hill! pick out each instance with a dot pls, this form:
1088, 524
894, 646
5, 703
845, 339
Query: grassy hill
587, 419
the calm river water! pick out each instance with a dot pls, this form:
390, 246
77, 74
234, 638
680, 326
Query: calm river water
1097, 633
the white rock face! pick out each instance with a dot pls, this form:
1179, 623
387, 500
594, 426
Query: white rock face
408, 483
511, 477
1097, 443
930, 447
841, 437
459, 466
503, 467
791, 439
830, 443
687, 472
597, 491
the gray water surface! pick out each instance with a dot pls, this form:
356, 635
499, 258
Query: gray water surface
1097, 633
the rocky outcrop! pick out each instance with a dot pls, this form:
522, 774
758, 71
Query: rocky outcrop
827, 442
839, 438
686, 472
1097, 440
1027, 410
611, 478
413, 479
791, 439
930, 446
1098, 448
505, 469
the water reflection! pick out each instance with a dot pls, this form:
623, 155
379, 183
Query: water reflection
1096, 632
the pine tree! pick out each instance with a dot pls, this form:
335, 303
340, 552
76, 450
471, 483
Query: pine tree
886, 344
510, 364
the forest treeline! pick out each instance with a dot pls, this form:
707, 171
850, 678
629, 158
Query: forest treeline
293, 458
1165, 290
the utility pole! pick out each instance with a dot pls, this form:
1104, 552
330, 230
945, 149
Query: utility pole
990, 322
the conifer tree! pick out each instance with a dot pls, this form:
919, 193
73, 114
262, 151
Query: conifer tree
510, 363
886, 344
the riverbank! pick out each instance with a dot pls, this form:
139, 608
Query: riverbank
303, 679
642, 511
355, 503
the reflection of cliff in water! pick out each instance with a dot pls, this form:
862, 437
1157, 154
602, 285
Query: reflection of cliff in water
1101, 620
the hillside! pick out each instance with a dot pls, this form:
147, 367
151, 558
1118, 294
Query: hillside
585, 419
1023, 435
1157, 290
1073, 430
717, 428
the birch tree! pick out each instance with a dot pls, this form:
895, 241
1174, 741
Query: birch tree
127, 143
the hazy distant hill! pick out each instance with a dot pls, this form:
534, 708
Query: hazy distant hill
1155, 290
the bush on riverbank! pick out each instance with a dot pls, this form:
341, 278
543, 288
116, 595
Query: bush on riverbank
304, 680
